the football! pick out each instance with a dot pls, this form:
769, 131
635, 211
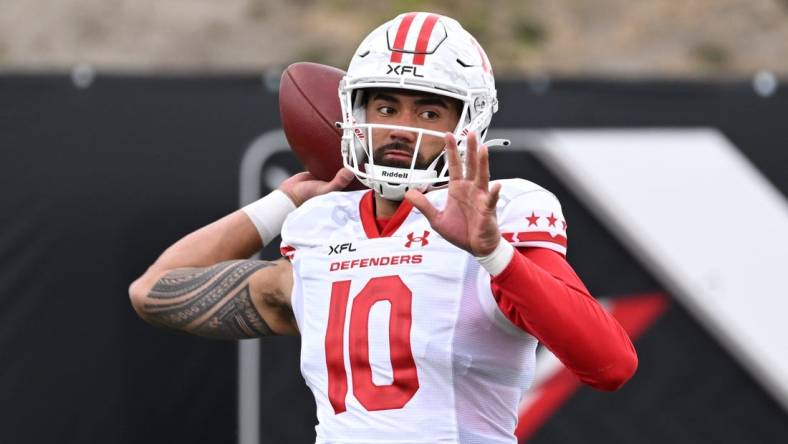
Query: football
309, 109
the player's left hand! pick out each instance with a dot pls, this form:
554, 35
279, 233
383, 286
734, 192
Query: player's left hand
468, 220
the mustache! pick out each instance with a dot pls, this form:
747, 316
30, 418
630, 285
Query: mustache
380, 154
395, 146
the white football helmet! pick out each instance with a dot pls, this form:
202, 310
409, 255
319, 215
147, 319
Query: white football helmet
416, 51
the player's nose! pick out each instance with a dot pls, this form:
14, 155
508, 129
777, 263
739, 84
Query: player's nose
404, 119
399, 135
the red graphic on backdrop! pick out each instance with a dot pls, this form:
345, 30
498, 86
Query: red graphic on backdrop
635, 313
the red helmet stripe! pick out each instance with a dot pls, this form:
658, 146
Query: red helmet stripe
424, 39
485, 61
402, 34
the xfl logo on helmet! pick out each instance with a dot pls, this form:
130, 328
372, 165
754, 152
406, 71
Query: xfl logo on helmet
421, 239
401, 70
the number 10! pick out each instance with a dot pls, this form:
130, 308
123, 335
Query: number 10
405, 382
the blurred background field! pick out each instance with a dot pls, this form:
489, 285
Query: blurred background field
599, 38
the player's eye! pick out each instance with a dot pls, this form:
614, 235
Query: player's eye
429, 115
386, 110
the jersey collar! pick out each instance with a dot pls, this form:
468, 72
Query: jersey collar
367, 214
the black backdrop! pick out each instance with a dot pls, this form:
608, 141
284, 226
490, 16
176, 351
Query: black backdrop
96, 182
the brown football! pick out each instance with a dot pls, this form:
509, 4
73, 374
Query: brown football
309, 109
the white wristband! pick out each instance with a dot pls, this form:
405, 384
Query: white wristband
497, 261
269, 213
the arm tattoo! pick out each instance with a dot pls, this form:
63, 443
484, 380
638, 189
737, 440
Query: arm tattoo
213, 301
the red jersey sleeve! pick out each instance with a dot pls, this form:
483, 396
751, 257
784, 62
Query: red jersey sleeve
540, 292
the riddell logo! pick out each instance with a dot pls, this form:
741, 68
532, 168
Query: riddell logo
421, 239
385, 173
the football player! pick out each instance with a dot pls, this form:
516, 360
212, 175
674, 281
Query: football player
420, 302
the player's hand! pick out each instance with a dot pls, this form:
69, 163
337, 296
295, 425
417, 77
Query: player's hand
303, 186
469, 220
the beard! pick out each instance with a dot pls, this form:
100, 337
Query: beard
380, 153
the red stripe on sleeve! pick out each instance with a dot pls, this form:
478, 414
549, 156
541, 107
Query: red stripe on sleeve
424, 39
535, 236
399, 40
539, 292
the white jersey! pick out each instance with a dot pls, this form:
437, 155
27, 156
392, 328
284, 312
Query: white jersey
402, 339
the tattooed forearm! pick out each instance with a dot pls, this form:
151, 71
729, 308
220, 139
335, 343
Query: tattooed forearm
212, 301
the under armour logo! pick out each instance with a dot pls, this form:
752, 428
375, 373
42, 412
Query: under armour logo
422, 239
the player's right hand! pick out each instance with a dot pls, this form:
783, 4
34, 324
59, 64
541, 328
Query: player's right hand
304, 186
